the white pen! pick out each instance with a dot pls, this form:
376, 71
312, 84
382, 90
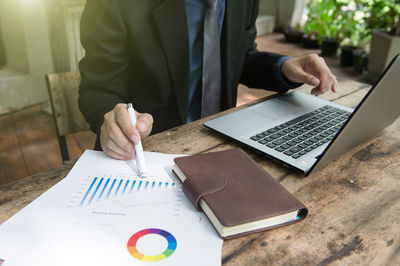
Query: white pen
140, 161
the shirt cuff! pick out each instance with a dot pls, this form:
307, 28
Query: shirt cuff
282, 81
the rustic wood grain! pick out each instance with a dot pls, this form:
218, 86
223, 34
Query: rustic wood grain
64, 92
36, 136
84, 140
354, 202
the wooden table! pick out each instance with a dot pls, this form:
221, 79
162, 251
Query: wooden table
354, 202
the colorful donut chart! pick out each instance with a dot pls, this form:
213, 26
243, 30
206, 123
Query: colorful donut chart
140, 256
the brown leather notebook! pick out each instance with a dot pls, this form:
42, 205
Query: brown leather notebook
238, 196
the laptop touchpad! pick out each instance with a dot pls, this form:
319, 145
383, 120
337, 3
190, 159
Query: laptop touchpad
275, 109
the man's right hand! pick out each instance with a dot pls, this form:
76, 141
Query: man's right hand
118, 136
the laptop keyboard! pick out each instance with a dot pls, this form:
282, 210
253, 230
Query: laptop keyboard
305, 133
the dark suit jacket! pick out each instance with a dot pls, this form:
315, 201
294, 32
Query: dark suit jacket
137, 51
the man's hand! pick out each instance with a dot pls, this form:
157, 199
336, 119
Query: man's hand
312, 70
117, 135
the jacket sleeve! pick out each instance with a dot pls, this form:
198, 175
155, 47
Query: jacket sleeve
258, 70
104, 68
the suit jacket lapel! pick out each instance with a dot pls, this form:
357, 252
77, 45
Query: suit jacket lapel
170, 19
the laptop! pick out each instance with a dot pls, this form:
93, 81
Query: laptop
303, 132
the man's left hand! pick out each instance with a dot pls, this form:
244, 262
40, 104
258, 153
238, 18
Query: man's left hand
312, 70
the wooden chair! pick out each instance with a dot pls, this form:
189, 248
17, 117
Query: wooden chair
63, 92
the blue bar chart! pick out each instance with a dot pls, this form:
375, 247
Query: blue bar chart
100, 188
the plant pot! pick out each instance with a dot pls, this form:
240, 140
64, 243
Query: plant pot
293, 36
383, 48
360, 61
311, 43
329, 47
346, 57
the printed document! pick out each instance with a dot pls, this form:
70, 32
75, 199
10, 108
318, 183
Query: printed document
103, 213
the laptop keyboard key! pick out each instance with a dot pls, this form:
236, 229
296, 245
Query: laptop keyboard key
271, 145
296, 156
295, 149
288, 153
285, 146
280, 149
268, 139
302, 145
291, 143
314, 146
318, 137
255, 138
302, 137
308, 142
279, 141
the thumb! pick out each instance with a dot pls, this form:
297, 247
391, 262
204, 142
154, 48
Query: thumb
144, 124
308, 78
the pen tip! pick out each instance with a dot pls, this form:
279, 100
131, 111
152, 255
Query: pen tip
143, 174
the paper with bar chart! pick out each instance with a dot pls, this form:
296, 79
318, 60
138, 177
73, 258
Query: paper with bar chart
102, 213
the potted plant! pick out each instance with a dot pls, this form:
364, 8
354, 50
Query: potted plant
324, 18
384, 22
294, 34
313, 25
360, 60
354, 30
310, 39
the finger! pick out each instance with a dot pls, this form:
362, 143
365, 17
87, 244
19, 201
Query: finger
128, 152
307, 78
327, 78
120, 139
316, 91
114, 154
124, 122
144, 124
329, 83
335, 84
326, 82
112, 149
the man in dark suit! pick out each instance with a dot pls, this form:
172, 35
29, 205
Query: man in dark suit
149, 53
